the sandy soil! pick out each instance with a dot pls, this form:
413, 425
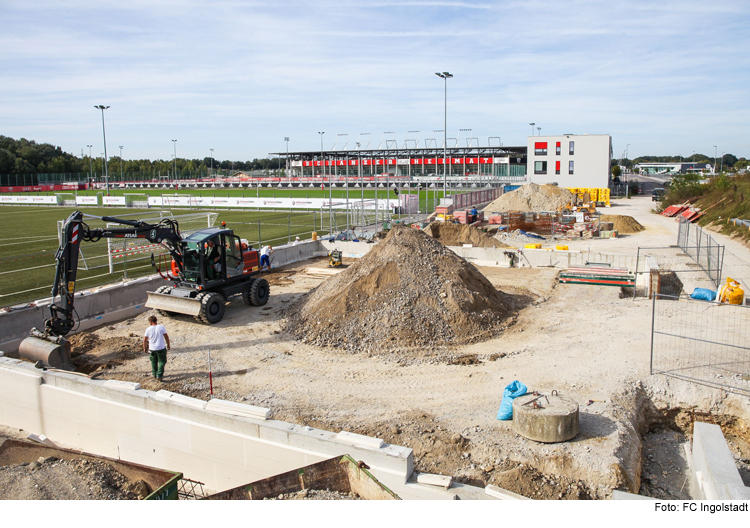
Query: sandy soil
583, 341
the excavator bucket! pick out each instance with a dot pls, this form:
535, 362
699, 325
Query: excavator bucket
173, 303
52, 352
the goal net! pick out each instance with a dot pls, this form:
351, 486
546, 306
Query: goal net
66, 199
136, 200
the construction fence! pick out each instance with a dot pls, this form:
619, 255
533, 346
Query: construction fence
702, 342
702, 249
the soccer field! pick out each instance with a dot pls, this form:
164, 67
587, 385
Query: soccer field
29, 239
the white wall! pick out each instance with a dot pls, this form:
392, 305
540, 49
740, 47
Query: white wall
591, 157
148, 428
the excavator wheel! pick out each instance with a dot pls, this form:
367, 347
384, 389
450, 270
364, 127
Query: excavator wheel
259, 292
212, 308
246, 292
164, 290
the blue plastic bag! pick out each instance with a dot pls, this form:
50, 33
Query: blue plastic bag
703, 294
511, 392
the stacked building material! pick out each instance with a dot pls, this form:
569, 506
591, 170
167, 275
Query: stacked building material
598, 275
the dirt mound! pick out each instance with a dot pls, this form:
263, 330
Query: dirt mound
51, 478
92, 353
531, 198
408, 291
450, 234
623, 223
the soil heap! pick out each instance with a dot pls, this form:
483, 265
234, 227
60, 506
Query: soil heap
623, 223
77, 479
532, 198
408, 291
450, 234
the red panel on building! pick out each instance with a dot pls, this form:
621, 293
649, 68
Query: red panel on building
307, 163
557, 144
353, 162
485, 161
557, 166
429, 161
540, 145
416, 161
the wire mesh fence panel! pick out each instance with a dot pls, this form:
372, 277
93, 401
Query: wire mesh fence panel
701, 341
702, 248
669, 271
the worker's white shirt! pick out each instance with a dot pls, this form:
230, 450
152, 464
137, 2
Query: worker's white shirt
155, 334
265, 251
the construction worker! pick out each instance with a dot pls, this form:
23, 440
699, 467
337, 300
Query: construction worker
473, 215
265, 260
156, 344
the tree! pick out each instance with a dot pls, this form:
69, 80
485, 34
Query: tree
616, 171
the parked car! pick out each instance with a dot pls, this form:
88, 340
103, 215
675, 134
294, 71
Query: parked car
657, 194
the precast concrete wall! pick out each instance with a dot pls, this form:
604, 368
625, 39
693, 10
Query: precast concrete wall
715, 475
95, 307
169, 431
542, 258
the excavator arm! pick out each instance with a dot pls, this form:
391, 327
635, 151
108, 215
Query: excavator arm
49, 345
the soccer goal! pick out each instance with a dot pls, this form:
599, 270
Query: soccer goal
136, 200
66, 199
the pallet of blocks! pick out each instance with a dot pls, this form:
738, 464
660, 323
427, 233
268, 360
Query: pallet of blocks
598, 275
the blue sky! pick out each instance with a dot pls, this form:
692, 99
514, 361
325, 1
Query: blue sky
668, 77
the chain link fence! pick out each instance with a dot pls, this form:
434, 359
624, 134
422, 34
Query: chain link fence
703, 342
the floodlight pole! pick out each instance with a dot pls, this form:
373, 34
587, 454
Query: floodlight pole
361, 184
174, 143
445, 76
286, 161
91, 162
104, 134
212, 162
715, 151
121, 178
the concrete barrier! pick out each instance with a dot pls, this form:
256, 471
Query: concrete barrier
541, 258
147, 428
95, 307
715, 475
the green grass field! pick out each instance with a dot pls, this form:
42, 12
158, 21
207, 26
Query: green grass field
30, 235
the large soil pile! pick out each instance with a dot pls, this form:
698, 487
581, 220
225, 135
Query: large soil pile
623, 223
532, 198
408, 291
450, 234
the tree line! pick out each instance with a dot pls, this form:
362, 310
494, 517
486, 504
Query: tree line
23, 156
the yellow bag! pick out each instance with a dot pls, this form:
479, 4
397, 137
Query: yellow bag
561, 248
731, 292
533, 246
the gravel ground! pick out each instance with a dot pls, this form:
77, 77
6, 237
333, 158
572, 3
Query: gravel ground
311, 494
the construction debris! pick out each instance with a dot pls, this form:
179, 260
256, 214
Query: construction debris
532, 198
408, 291
450, 234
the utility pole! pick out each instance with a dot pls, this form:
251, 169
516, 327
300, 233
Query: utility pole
104, 133
212, 162
286, 164
91, 163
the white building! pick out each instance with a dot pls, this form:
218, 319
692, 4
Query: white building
570, 160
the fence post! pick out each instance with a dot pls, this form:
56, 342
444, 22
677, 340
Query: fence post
289, 226
260, 245
653, 321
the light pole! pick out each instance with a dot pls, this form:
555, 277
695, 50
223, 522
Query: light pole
445, 76
722, 162
174, 144
532, 128
330, 191
361, 183
286, 164
104, 134
715, 151
540, 130
212, 162
121, 163
91, 163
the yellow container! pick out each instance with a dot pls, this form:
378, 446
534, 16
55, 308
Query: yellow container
314, 236
594, 194
533, 246
561, 248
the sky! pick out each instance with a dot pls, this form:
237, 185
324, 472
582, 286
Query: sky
665, 78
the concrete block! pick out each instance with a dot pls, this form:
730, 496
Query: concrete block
165, 431
503, 494
434, 480
142, 451
121, 385
547, 419
93, 439
119, 418
624, 495
238, 409
354, 439
715, 474
173, 397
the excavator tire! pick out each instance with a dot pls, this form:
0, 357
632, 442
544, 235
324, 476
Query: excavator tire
165, 290
212, 308
246, 292
259, 292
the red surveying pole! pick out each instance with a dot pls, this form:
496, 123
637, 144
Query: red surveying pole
210, 375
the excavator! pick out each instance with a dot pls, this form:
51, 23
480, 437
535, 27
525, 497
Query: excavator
206, 268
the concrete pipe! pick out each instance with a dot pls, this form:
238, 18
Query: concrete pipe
546, 419
54, 355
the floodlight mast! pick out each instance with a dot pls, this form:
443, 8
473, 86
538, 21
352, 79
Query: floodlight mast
445, 76
104, 134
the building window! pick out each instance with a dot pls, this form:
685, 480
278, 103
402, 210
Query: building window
540, 167
557, 164
571, 147
557, 149
570, 167
540, 149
